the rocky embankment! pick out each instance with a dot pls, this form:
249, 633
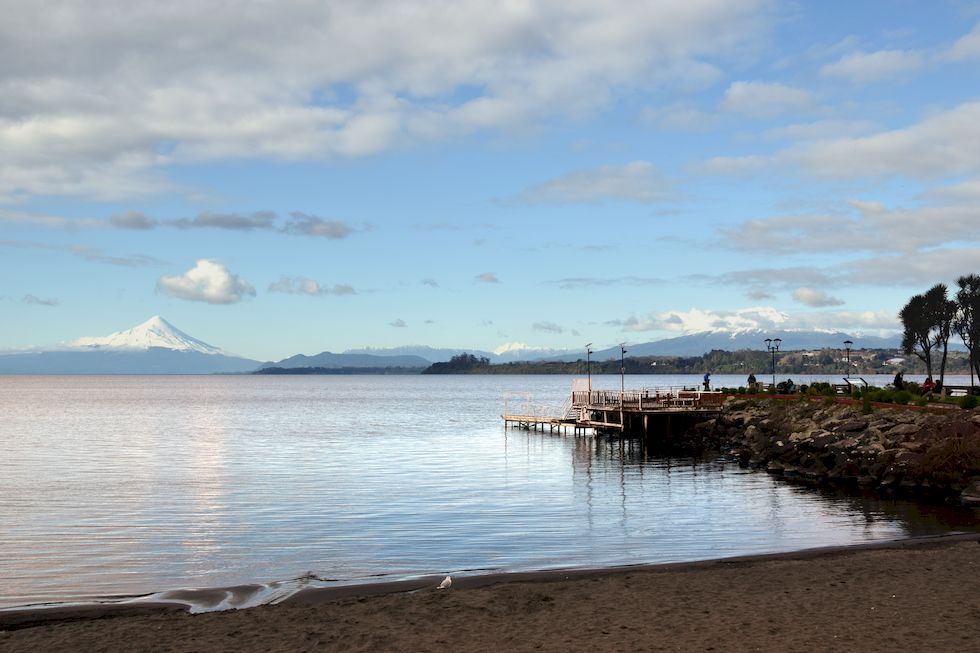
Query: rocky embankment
894, 449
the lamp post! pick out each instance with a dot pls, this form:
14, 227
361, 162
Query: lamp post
847, 357
622, 372
773, 346
588, 367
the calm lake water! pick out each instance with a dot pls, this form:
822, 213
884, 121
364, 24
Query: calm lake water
124, 486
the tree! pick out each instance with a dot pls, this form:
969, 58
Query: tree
916, 330
967, 320
942, 312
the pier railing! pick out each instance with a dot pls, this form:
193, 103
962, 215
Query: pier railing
648, 399
521, 404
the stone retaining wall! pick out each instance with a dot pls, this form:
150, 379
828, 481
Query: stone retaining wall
824, 441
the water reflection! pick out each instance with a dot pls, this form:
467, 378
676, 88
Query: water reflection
134, 485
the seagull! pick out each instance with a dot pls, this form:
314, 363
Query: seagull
446, 583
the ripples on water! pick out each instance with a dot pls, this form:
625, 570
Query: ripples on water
127, 485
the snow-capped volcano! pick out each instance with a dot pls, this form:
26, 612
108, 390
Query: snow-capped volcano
155, 332
154, 347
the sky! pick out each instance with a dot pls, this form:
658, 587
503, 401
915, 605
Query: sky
298, 176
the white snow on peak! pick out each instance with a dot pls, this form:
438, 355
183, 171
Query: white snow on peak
155, 332
509, 347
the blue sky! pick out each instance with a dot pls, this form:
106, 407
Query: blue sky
292, 177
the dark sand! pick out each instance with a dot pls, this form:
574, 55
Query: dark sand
912, 595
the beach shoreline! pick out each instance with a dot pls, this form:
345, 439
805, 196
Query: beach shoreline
910, 590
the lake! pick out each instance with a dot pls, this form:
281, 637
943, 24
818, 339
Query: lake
116, 487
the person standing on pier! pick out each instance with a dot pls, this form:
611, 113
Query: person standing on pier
707, 381
751, 381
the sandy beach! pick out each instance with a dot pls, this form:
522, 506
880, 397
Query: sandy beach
912, 595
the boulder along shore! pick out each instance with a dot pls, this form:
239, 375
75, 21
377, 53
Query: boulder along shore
933, 454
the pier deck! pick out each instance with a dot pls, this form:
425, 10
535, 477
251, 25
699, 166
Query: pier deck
633, 412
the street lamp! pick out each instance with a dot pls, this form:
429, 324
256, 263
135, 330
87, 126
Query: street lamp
588, 367
773, 346
622, 372
847, 355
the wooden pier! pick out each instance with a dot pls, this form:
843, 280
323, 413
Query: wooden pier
643, 412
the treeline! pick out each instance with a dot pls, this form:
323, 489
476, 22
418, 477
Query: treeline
339, 370
824, 361
930, 319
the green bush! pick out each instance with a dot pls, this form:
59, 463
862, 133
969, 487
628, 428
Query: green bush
968, 402
902, 397
856, 394
866, 406
921, 401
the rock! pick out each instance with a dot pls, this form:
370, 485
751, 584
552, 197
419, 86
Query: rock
902, 429
971, 495
853, 425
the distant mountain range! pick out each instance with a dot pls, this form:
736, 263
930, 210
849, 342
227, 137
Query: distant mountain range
694, 344
158, 347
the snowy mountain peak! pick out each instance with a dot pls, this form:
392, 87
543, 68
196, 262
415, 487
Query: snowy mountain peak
155, 332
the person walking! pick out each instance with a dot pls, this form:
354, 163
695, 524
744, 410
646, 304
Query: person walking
707, 381
899, 382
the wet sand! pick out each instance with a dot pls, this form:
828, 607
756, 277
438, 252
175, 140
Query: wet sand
910, 595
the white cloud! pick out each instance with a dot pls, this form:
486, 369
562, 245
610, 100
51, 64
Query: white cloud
696, 320
870, 227
487, 277
863, 67
942, 144
398, 324
921, 270
637, 181
762, 318
967, 47
304, 79
307, 286
765, 99
680, 118
47, 220
856, 321
820, 130
208, 281
815, 298
946, 143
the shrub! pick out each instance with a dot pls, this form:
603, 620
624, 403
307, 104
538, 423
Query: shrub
856, 394
902, 397
968, 402
921, 401
866, 406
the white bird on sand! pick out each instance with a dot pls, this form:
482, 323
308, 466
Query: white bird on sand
446, 583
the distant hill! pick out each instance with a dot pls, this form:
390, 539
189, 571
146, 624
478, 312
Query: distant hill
329, 360
153, 347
